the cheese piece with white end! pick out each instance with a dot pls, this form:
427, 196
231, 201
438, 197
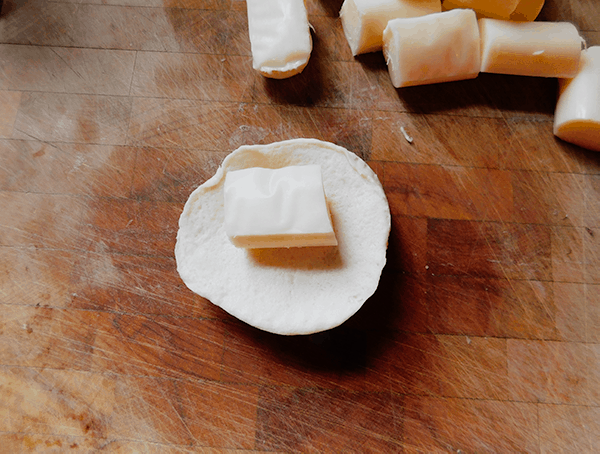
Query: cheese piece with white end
541, 49
280, 37
577, 114
363, 21
440, 47
498, 9
286, 207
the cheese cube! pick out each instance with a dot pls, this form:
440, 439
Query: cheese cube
363, 21
543, 49
280, 37
439, 47
286, 207
577, 114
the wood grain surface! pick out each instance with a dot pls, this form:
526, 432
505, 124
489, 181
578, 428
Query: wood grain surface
484, 333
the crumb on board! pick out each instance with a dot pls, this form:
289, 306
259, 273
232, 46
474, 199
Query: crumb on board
408, 138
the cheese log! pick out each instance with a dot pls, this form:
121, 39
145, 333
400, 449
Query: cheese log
577, 114
267, 208
543, 49
439, 47
527, 10
363, 21
499, 9
280, 37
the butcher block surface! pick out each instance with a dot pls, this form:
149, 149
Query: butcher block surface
482, 337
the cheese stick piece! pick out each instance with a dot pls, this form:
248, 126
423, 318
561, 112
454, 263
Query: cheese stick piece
543, 49
279, 37
499, 9
527, 10
577, 114
439, 47
363, 21
286, 207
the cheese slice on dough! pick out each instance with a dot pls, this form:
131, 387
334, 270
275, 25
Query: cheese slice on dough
295, 290
277, 208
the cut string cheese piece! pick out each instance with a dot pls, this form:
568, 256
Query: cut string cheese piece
363, 21
439, 47
286, 207
279, 37
577, 115
519, 10
542, 49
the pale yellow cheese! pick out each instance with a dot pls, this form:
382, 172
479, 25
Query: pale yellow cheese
439, 47
543, 49
280, 37
577, 114
363, 21
286, 207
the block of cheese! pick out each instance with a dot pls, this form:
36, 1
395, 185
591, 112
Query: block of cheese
527, 10
298, 290
439, 47
543, 49
363, 21
577, 114
517, 10
280, 37
267, 208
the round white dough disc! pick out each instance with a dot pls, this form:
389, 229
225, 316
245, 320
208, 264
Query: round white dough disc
296, 290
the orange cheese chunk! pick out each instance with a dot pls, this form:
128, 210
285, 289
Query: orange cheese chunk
517, 10
527, 10
499, 9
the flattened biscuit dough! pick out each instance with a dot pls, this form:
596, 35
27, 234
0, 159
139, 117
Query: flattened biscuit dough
295, 290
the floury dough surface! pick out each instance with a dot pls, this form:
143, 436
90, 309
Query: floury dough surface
295, 290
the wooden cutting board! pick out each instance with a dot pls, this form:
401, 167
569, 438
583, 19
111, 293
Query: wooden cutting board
483, 335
